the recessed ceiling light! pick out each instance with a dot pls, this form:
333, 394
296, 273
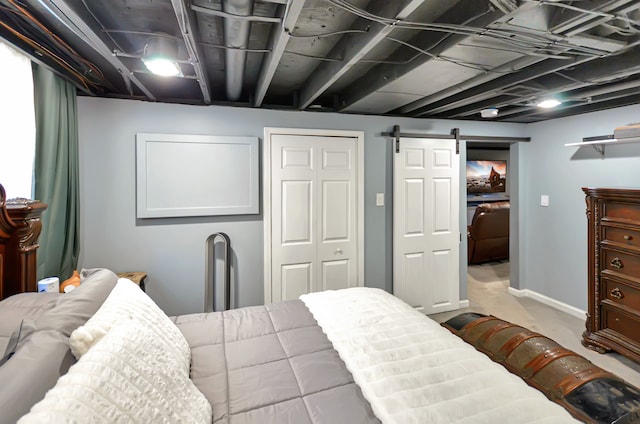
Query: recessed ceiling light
549, 103
162, 66
160, 55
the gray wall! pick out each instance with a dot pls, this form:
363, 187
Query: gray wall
172, 251
554, 241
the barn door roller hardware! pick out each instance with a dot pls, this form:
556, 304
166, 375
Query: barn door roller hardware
455, 132
396, 136
454, 135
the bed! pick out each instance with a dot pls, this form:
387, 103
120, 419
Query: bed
350, 356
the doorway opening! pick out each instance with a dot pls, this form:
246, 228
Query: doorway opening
489, 186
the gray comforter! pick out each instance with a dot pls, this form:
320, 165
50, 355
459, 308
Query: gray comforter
271, 364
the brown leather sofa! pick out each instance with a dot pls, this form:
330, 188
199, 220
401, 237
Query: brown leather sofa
488, 234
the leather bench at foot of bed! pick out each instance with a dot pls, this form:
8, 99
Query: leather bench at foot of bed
588, 392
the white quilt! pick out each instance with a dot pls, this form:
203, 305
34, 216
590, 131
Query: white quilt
412, 370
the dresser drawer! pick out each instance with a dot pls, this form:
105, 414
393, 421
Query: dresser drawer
622, 322
621, 293
622, 211
622, 236
621, 263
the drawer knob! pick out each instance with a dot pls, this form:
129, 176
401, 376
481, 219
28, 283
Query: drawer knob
628, 237
616, 263
616, 293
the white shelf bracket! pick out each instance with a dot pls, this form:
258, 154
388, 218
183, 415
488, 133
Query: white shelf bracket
599, 148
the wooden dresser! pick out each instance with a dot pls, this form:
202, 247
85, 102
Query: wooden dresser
613, 319
20, 228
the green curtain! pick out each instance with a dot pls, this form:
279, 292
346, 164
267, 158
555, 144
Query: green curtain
56, 173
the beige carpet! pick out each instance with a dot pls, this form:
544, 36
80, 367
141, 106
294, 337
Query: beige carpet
487, 292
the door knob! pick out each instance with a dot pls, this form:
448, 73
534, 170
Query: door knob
338, 251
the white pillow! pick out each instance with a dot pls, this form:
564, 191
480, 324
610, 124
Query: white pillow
127, 302
129, 376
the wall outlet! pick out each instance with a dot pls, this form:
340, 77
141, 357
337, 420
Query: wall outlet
544, 200
379, 199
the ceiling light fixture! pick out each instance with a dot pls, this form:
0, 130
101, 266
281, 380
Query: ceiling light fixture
160, 56
490, 112
549, 103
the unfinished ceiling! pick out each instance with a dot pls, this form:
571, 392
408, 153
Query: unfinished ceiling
417, 58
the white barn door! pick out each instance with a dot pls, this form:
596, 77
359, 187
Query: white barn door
314, 212
426, 234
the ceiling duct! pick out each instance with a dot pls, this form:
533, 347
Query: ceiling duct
236, 35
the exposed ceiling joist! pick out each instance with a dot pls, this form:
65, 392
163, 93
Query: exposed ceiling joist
585, 94
588, 14
624, 65
613, 101
279, 39
435, 58
186, 22
494, 86
516, 65
66, 14
488, 90
477, 14
593, 101
353, 47
231, 15
486, 84
567, 21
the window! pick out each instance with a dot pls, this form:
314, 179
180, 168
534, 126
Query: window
17, 123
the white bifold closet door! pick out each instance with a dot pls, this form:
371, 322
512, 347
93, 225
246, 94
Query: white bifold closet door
314, 214
425, 224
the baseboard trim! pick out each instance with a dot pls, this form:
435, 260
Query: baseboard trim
463, 304
556, 304
517, 292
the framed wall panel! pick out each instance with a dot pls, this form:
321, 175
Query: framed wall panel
196, 175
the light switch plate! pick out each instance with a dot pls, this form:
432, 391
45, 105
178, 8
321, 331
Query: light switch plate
379, 199
544, 200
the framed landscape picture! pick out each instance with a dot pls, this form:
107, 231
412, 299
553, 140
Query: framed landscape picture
486, 176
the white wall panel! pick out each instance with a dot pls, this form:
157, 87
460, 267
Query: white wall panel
182, 175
